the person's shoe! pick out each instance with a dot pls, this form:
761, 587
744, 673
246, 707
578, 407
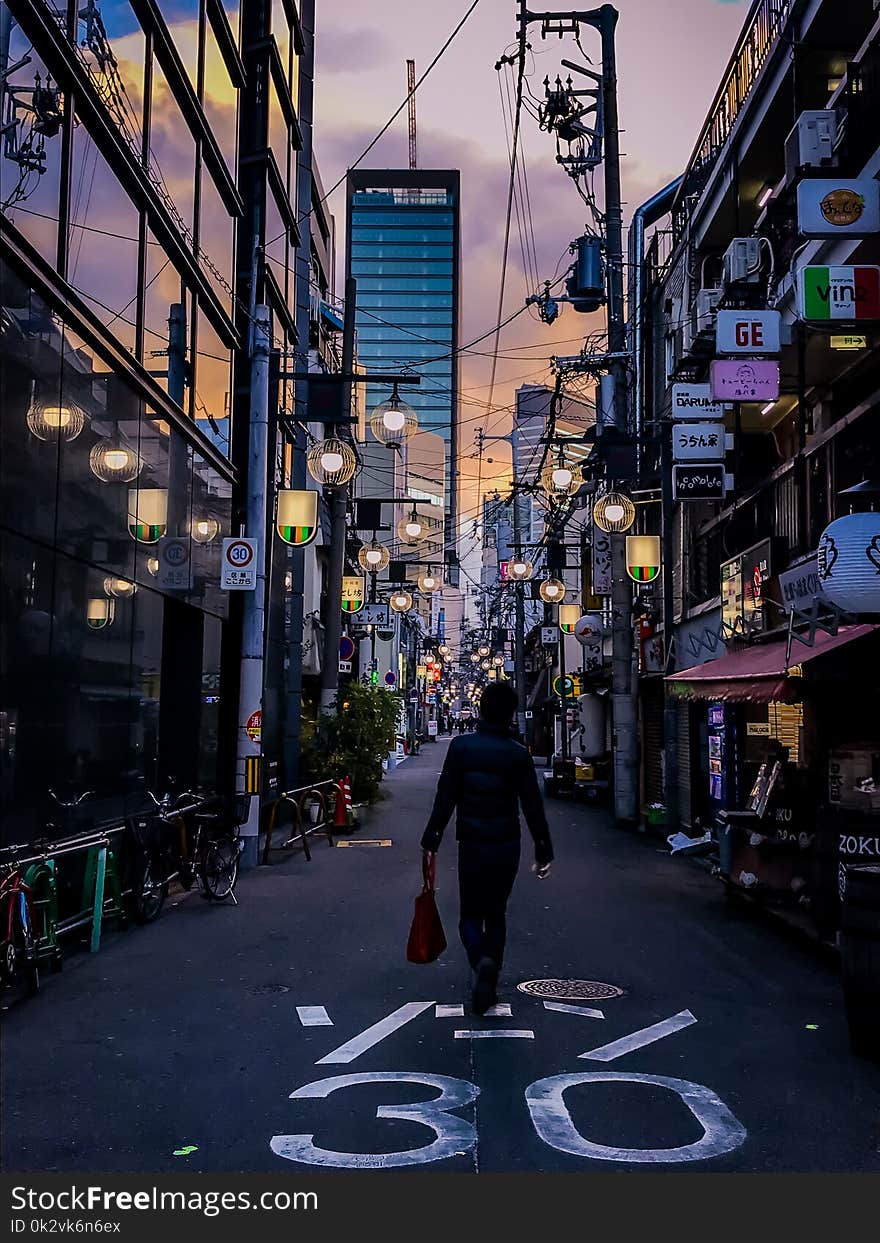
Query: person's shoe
484, 995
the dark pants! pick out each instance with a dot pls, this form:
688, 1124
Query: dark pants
485, 878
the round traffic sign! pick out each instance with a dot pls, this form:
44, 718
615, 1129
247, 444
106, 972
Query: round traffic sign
254, 726
390, 678
346, 648
176, 552
240, 554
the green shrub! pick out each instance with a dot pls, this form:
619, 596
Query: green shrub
354, 742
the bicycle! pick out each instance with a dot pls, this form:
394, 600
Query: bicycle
190, 838
18, 948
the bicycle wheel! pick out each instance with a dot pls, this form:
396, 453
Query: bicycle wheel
219, 868
150, 890
25, 948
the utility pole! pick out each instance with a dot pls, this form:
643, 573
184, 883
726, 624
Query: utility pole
254, 603
338, 508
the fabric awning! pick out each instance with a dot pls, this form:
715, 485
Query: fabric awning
759, 674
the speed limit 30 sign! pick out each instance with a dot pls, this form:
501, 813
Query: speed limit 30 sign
238, 570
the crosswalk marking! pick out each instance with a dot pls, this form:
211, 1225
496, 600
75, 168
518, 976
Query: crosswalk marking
314, 1016
449, 1012
501, 1011
584, 1011
638, 1040
376, 1033
481, 1034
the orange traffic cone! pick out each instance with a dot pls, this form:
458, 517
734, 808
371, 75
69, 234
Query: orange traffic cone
340, 816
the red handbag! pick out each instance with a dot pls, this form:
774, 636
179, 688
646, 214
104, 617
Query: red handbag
427, 940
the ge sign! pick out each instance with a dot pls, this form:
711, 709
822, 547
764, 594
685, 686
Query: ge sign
748, 332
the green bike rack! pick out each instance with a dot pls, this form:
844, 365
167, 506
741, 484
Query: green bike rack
40, 880
101, 876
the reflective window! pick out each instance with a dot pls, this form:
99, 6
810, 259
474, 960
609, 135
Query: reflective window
172, 147
399, 236
220, 99
32, 196
412, 300
424, 284
376, 218
212, 372
392, 267
217, 240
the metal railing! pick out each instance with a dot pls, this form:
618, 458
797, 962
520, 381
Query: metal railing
305, 796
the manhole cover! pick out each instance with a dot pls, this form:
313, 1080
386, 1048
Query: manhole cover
570, 990
261, 990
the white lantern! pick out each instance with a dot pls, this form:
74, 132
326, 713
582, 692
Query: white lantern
205, 529
113, 462
393, 421
588, 630
849, 563
484, 649
331, 462
119, 588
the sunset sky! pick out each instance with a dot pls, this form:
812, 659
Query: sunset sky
671, 54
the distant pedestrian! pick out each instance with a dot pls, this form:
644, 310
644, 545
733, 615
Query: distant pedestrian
488, 778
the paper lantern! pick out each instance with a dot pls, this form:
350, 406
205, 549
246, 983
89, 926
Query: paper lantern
475, 657
568, 617
443, 649
552, 591
643, 557
373, 557
588, 630
849, 563
614, 513
147, 514
401, 601
331, 462
296, 518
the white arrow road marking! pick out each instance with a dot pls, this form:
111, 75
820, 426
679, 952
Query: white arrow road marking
638, 1040
374, 1035
449, 1012
510, 1033
584, 1011
314, 1016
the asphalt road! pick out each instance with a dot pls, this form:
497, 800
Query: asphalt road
186, 1034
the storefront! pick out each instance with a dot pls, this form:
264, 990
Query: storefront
789, 761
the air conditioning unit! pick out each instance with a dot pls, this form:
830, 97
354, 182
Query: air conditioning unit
706, 309
742, 261
811, 143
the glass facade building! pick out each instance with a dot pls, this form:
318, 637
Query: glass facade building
123, 351
403, 248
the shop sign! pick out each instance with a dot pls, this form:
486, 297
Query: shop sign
743, 585
352, 593
847, 341
732, 594
755, 380
758, 729
432, 729
695, 401
837, 207
373, 615
831, 293
345, 666
699, 442
549, 635
346, 647
800, 586
699, 483
602, 571
748, 332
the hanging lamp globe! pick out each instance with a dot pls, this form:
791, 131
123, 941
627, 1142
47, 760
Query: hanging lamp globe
559, 479
113, 462
401, 601
393, 421
520, 570
119, 588
486, 664
443, 649
475, 656
205, 529
331, 462
373, 557
484, 649
552, 591
614, 513
412, 528
51, 420
430, 582
497, 660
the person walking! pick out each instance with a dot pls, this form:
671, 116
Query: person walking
487, 777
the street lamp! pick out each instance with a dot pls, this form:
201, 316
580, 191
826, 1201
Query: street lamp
443, 649
484, 649
412, 529
52, 420
401, 601
393, 421
204, 530
331, 462
429, 582
497, 660
485, 664
519, 569
113, 462
552, 591
475, 656
614, 513
373, 557
558, 479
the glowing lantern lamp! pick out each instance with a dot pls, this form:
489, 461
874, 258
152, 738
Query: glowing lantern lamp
568, 617
401, 601
519, 569
119, 588
113, 462
373, 557
53, 420
614, 513
410, 530
296, 519
643, 557
205, 529
147, 514
429, 583
849, 562
484, 649
331, 462
393, 421
475, 656
552, 591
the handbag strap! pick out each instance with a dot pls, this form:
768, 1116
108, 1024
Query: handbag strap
429, 868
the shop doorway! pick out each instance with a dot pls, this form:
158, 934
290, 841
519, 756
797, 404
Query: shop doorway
181, 693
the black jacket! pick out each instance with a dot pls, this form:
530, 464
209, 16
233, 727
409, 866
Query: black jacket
488, 776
